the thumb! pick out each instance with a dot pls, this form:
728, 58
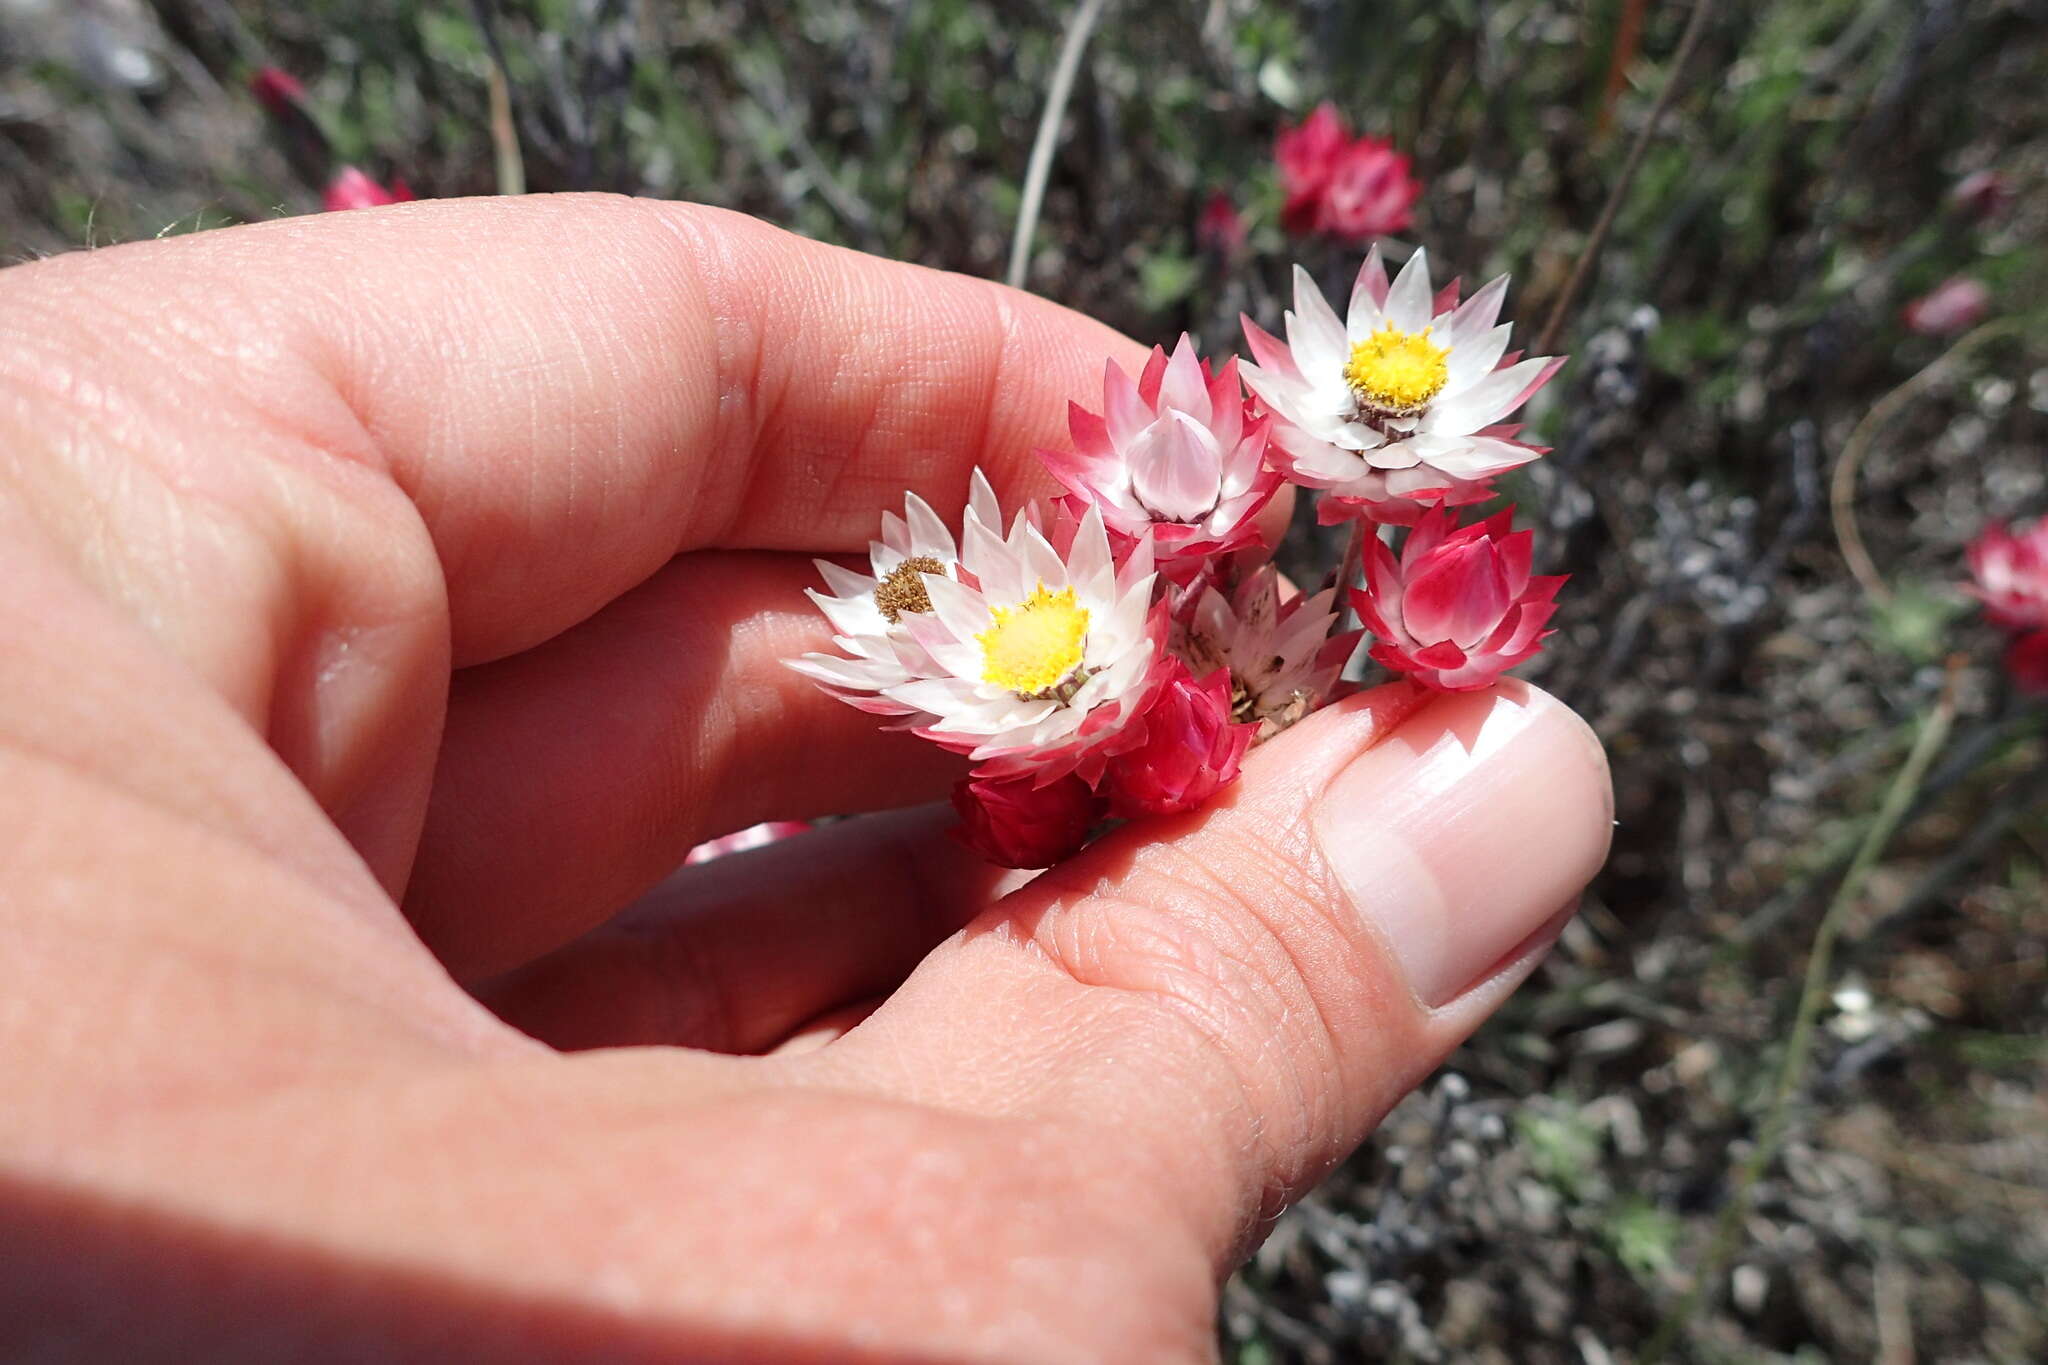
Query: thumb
1222, 1005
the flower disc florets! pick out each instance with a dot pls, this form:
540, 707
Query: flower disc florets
1400, 405
870, 612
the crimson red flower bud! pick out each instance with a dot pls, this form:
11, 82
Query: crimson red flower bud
1221, 228
352, 189
277, 90
1350, 188
2012, 575
1955, 305
1192, 748
1459, 607
2027, 662
1013, 823
1369, 192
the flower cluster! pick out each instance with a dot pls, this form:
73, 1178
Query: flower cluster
2011, 572
1114, 652
1349, 188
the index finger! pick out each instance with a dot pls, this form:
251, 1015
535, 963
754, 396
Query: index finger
573, 389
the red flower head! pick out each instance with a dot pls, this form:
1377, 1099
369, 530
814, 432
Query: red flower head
1459, 607
1350, 188
1012, 823
1221, 228
2027, 662
1192, 748
2012, 575
351, 189
1306, 154
1369, 192
277, 90
1955, 305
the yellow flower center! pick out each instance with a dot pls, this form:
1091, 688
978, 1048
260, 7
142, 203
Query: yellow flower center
1033, 646
1397, 372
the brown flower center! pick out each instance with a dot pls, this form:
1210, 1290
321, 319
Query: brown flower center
903, 590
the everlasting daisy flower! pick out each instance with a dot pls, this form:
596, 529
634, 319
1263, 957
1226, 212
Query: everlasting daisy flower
1171, 460
352, 189
1281, 657
1400, 405
1955, 305
1459, 608
1032, 660
871, 611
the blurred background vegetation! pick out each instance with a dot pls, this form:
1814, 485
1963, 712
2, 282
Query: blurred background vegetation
1574, 1188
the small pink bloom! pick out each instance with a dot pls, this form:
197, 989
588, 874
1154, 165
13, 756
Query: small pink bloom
2027, 662
1351, 188
1982, 195
1172, 460
1305, 155
1369, 192
1459, 607
1955, 305
754, 836
1013, 823
352, 189
1192, 749
277, 90
2012, 575
1220, 229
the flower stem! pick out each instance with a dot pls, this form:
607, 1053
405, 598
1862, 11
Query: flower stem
1078, 29
1776, 1118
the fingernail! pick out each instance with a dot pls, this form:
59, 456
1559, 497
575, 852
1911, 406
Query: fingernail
1461, 833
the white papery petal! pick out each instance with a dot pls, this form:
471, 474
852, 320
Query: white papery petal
928, 534
1409, 300
1182, 386
1476, 315
959, 608
1486, 402
1471, 361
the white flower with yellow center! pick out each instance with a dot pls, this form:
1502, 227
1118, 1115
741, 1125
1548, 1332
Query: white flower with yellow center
1399, 405
870, 611
1029, 660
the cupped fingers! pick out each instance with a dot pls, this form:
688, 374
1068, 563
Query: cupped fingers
745, 952
1233, 998
576, 775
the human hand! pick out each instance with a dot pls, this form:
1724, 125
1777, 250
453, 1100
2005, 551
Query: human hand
445, 557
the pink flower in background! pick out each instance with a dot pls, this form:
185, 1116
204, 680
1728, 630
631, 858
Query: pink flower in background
2012, 575
1955, 305
1459, 607
2027, 662
352, 189
1172, 460
1012, 823
1221, 228
277, 90
1982, 195
754, 836
1369, 192
1350, 188
1192, 748
1305, 155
